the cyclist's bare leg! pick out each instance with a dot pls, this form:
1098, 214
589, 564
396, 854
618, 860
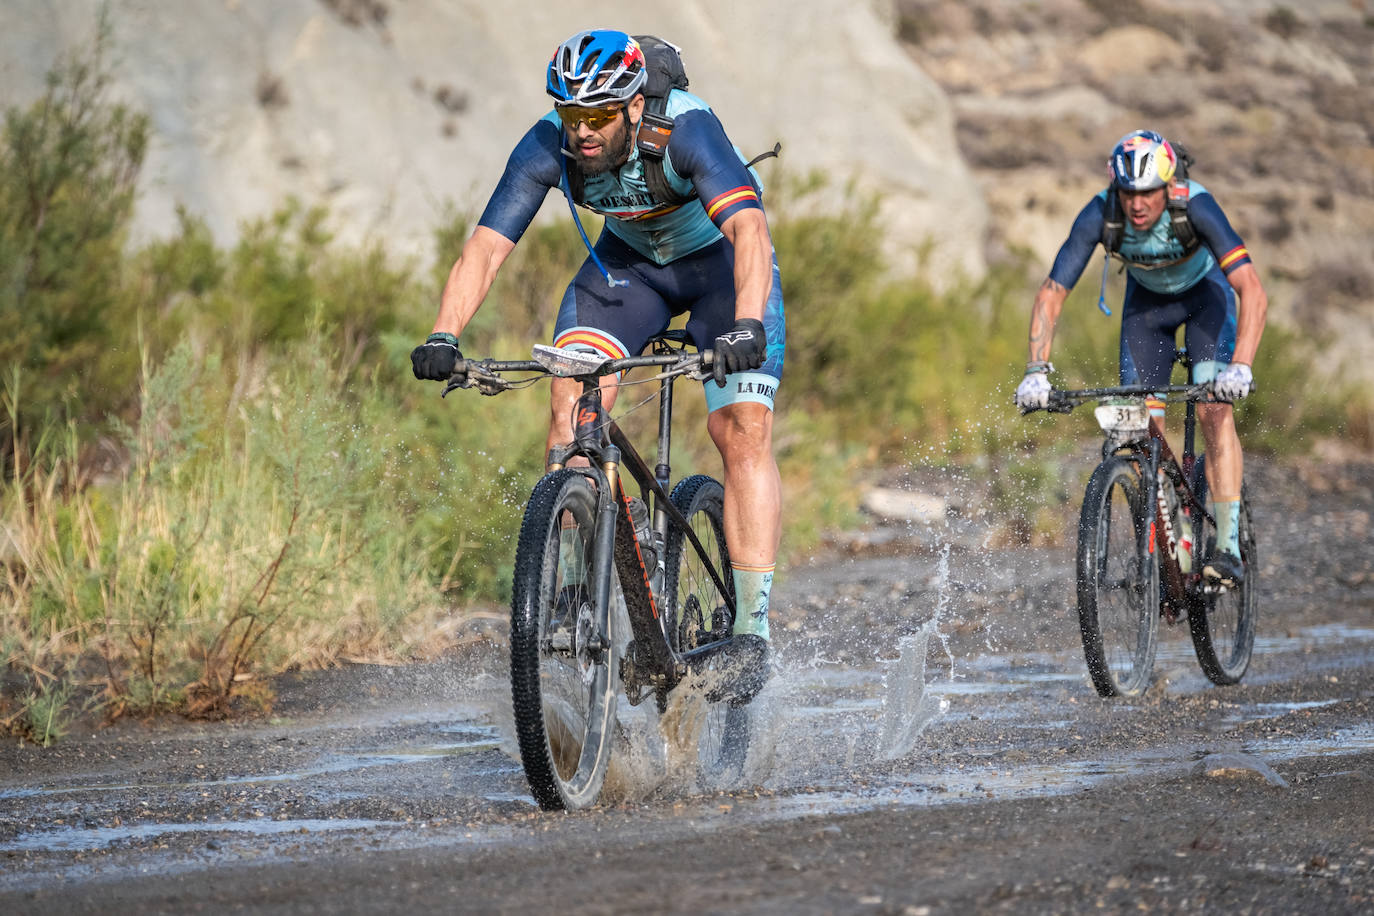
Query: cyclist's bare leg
563, 399
1225, 463
743, 432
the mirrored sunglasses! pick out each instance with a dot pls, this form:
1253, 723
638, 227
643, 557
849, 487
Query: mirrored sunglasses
595, 118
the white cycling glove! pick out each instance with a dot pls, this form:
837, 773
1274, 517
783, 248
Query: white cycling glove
1034, 391
1234, 382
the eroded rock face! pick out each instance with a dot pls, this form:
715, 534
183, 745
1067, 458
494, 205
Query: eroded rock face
387, 110
1273, 100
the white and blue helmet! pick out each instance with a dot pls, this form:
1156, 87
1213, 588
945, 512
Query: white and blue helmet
596, 67
1142, 161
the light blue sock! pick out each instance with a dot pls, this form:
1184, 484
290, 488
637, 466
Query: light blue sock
752, 586
1228, 525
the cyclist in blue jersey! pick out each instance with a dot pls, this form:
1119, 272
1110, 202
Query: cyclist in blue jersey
701, 247
1185, 267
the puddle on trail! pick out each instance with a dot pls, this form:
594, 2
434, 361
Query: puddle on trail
960, 786
826, 721
1022, 781
329, 764
89, 838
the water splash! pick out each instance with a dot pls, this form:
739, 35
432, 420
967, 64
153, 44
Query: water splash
907, 706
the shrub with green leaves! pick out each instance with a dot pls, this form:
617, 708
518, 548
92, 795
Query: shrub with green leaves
68, 167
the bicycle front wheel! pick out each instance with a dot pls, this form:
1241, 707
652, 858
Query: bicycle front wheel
696, 612
1223, 624
1118, 580
561, 646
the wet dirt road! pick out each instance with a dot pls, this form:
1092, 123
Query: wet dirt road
931, 744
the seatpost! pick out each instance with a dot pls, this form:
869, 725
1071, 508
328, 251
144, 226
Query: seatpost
1189, 421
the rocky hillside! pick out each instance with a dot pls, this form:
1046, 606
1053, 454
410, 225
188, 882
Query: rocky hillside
389, 109
976, 127
1273, 101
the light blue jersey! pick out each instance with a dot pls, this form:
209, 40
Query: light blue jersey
1158, 246
699, 159
664, 232
1148, 255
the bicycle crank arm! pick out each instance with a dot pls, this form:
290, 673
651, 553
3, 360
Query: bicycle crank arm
738, 677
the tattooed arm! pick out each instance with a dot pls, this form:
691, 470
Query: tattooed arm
1068, 267
1049, 301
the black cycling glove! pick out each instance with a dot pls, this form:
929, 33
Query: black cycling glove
740, 349
436, 358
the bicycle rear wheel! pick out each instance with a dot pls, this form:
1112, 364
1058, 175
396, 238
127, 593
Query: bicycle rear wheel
1118, 580
561, 647
696, 613
1223, 624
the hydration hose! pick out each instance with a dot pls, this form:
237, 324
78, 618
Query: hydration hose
1101, 290
577, 221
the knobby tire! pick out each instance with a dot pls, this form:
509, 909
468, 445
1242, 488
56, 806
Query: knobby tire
1118, 580
695, 612
563, 682
1223, 625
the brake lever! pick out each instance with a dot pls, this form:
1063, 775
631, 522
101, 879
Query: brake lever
469, 374
703, 370
490, 384
459, 378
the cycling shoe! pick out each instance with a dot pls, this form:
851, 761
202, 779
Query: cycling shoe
1224, 568
739, 670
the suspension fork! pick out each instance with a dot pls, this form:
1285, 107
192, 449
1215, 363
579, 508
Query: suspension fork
1152, 494
616, 547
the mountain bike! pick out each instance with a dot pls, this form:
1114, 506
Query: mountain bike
1143, 534
587, 549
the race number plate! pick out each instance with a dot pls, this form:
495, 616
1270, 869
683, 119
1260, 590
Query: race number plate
1123, 418
567, 363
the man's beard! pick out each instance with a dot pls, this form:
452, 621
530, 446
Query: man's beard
614, 154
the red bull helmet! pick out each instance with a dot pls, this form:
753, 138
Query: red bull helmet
1142, 161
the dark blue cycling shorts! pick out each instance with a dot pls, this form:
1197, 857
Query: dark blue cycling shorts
619, 321
1150, 323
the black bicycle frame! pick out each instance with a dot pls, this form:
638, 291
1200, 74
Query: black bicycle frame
602, 442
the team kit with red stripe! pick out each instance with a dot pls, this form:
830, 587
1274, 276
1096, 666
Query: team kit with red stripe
1165, 288
673, 255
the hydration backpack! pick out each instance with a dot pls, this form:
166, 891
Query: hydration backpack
663, 64
666, 72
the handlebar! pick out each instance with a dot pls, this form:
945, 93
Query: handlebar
1064, 401
487, 375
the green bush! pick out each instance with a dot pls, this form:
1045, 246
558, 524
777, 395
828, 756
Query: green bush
68, 167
